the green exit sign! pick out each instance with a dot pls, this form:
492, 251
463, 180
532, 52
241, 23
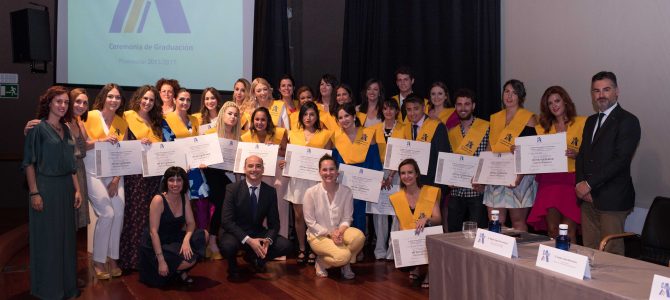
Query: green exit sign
9, 90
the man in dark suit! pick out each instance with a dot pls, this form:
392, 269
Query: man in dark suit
247, 204
604, 185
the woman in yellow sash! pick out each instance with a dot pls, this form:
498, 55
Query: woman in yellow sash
308, 133
210, 104
167, 89
440, 107
556, 201
227, 127
261, 93
263, 131
355, 145
326, 94
305, 94
286, 88
105, 124
511, 122
144, 123
242, 97
372, 96
417, 206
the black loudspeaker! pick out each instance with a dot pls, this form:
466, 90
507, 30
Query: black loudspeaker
31, 39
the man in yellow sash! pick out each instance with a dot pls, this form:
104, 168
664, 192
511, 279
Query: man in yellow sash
469, 137
422, 128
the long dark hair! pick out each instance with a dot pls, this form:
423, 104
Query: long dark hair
74, 93
269, 128
546, 117
410, 161
364, 98
330, 79
350, 109
156, 113
204, 112
100, 99
303, 111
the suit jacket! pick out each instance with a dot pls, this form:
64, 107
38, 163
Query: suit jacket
604, 160
237, 217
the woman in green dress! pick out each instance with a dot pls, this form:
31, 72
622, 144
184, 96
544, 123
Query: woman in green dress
49, 163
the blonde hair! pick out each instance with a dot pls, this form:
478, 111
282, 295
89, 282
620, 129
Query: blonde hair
254, 84
247, 105
221, 126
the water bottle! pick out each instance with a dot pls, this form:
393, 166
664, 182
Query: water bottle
494, 224
563, 240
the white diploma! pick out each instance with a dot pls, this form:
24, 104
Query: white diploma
303, 162
456, 169
541, 154
201, 150
409, 248
122, 158
364, 183
495, 169
228, 151
157, 157
383, 206
202, 129
267, 152
398, 150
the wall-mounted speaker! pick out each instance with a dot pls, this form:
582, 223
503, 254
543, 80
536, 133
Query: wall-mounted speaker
31, 38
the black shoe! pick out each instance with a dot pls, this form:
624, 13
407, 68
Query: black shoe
234, 277
258, 266
185, 279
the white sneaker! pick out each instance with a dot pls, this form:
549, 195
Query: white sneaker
320, 267
347, 273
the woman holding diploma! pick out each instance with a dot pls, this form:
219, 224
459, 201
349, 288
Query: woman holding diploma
172, 245
556, 201
328, 214
179, 124
227, 127
264, 131
49, 163
416, 205
210, 104
511, 122
144, 123
439, 107
308, 133
105, 124
242, 97
355, 145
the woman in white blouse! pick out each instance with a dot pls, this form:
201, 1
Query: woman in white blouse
328, 209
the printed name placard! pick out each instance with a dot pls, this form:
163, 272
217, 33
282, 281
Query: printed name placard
660, 288
564, 262
496, 243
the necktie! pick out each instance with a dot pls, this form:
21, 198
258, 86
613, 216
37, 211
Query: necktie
254, 200
415, 129
600, 117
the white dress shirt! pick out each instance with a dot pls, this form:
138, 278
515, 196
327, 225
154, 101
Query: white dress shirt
322, 216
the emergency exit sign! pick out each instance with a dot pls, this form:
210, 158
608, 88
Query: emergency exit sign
9, 90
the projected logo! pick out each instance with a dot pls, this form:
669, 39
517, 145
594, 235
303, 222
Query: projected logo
131, 15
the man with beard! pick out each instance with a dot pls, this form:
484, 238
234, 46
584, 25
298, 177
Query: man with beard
604, 185
469, 137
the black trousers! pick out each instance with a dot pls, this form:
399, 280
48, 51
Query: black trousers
229, 245
463, 209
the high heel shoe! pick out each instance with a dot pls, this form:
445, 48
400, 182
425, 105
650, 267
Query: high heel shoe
311, 258
101, 275
116, 272
301, 257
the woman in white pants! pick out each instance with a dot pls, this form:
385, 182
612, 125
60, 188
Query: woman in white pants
105, 124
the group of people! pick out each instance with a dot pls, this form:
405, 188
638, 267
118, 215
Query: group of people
162, 225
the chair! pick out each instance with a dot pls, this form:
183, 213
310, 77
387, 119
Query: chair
653, 245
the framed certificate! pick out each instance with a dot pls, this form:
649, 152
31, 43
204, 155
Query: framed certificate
541, 154
364, 183
157, 157
303, 162
228, 151
495, 169
409, 248
398, 150
119, 159
266, 152
201, 150
456, 169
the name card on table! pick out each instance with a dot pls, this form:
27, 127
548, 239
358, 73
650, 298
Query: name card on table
564, 262
660, 288
496, 243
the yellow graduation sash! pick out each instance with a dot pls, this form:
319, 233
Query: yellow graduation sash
361, 117
425, 133
179, 128
397, 132
318, 140
244, 120
353, 153
501, 137
293, 119
427, 197
138, 127
573, 136
445, 114
249, 137
329, 121
95, 128
197, 116
275, 111
468, 144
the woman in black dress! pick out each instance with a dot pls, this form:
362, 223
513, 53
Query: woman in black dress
169, 251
